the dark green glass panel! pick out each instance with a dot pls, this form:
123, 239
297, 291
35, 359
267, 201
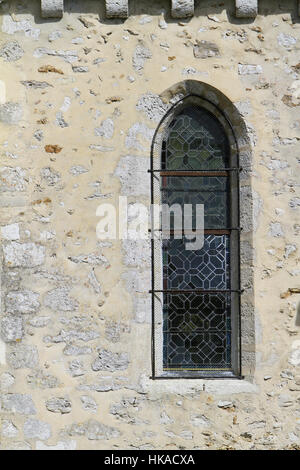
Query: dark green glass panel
195, 140
211, 191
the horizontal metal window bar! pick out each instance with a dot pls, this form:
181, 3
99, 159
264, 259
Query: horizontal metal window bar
217, 170
195, 291
199, 190
204, 174
216, 231
198, 368
194, 230
198, 330
198, 377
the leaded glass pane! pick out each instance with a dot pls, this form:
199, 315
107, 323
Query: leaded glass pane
197, 332
211, 191
195, 140
207, 268
197, 283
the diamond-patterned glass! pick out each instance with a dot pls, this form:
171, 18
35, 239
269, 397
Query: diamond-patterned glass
197, 331
195, 141
207, 268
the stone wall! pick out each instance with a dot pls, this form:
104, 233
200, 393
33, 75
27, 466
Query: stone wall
179, 8
80, 99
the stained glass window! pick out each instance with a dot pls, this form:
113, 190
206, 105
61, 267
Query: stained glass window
198, 288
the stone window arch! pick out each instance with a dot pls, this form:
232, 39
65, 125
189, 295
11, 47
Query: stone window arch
202, 301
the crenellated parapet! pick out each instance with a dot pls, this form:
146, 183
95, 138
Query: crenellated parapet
52, 8
179, 8
182, 8
117, 8
246, 8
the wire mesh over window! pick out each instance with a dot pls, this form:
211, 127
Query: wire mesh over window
199, 290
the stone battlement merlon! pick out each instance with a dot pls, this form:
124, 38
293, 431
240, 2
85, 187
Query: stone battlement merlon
179, 8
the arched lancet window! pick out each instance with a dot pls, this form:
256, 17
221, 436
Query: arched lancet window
196, 293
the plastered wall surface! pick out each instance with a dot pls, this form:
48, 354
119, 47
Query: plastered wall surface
80, 99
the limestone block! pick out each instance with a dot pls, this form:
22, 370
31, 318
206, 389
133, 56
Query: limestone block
24, 301
52, 8
59, 405
93, 430
61, 445
182, 8
18, 403
294, 358
9, 429
6, 381
11, 113
10, 232
204, 49
246, 8
11, 51
108, 360
23, 356
116, 8
11, 328
59, 300
23, 255
33, 428
88, 403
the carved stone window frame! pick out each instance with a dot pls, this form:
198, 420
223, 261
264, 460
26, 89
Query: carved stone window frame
225, 111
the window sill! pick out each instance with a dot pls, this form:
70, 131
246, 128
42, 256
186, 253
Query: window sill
188, 387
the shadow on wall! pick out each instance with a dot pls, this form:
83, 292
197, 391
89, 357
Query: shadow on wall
298, 315
157, 7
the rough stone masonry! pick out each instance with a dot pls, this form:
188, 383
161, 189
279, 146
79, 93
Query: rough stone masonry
83, 86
